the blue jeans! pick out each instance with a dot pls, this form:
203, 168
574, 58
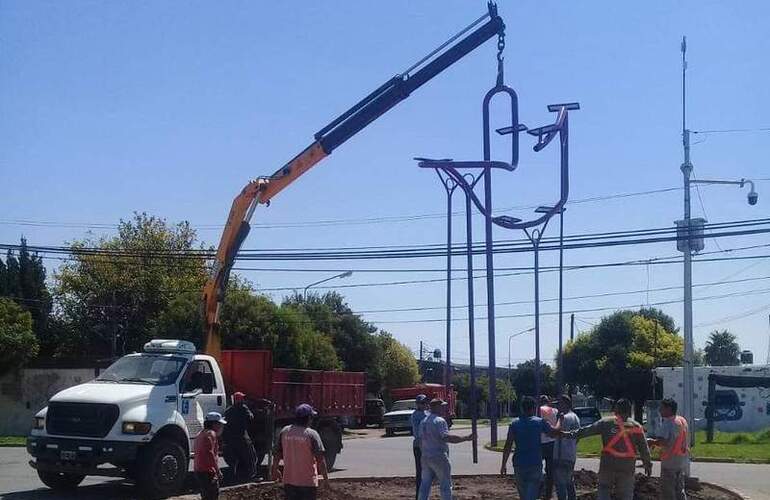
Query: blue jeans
528, 479
436, 467
565, 483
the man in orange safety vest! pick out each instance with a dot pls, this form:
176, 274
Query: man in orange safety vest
675, 451
622, 439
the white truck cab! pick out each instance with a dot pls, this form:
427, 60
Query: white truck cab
137, 419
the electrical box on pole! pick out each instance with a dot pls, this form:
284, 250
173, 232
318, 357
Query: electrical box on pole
696, 235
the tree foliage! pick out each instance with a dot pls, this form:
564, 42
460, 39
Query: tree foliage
524, 379
722, 349
616, 357
112, 299
398, 365
18, 343
23, 279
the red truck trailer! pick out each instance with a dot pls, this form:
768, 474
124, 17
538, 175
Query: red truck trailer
273, 394
432, 391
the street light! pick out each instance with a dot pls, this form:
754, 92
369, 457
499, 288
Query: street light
346, 274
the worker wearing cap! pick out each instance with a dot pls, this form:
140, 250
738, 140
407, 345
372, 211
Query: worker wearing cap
622, 439
238, 449
548, 414
302, 452
206, 461
675, 451
418, 415
434, 437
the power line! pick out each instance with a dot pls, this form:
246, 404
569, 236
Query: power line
333, 222
647, 236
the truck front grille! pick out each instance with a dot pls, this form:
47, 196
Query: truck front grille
81, 419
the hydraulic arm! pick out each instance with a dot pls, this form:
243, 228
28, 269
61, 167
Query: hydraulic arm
263, 189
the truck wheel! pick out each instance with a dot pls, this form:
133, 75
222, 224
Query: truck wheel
60, 481
163, 469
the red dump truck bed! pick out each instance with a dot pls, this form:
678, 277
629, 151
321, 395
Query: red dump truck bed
430, 390
332, 394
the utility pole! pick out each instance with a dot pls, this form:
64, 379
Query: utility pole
572, 327
422, 376
688, 382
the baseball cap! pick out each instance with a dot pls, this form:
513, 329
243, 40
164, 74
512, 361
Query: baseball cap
214, 416
305, 410
421, 398
238, 397
437, 402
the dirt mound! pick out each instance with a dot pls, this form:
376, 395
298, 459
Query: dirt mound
465, 488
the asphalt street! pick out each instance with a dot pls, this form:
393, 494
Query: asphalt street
367, 456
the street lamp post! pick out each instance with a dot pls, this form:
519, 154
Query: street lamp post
346, 274
687, 242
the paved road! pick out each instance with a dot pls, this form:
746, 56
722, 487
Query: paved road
393, 458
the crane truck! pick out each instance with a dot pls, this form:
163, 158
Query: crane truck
138, 418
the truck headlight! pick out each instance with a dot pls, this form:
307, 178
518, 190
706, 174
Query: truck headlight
136, 427
38, 423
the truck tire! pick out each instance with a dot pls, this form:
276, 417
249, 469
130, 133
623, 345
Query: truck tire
60, 481
162, 469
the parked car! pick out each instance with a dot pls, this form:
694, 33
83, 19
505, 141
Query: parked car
375, 413
587, 415
399, 418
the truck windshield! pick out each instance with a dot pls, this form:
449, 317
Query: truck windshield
405, 404
144, 369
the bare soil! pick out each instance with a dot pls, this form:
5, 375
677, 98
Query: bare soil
465, 488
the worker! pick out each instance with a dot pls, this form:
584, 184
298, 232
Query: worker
622, 439
547, 413
434, 437
302, 452
565, 450
418, 415
206, 461
238, 449
675, 453
525, 432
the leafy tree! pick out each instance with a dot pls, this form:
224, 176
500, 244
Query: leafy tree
251, 321
110, 300
722, 349
399, 368
23, 278
655, 314
18, 343
524, 379
615, 359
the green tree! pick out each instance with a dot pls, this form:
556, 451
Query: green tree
18, 343
399, 368
23, 278
615, 359
524, 379
251, 321
110, 300
722, 349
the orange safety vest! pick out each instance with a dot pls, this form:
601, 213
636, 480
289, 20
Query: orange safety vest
624, 434
679, 449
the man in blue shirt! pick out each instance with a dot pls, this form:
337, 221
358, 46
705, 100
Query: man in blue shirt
434, 436
527, 459
417, 417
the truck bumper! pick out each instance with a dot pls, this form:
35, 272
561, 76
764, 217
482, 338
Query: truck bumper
79, 454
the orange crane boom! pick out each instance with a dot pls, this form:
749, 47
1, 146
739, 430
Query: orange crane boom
263, 189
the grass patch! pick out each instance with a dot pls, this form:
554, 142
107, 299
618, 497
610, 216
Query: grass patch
9, 441
466, 422
740, 447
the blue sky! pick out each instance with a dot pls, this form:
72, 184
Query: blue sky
170, 107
